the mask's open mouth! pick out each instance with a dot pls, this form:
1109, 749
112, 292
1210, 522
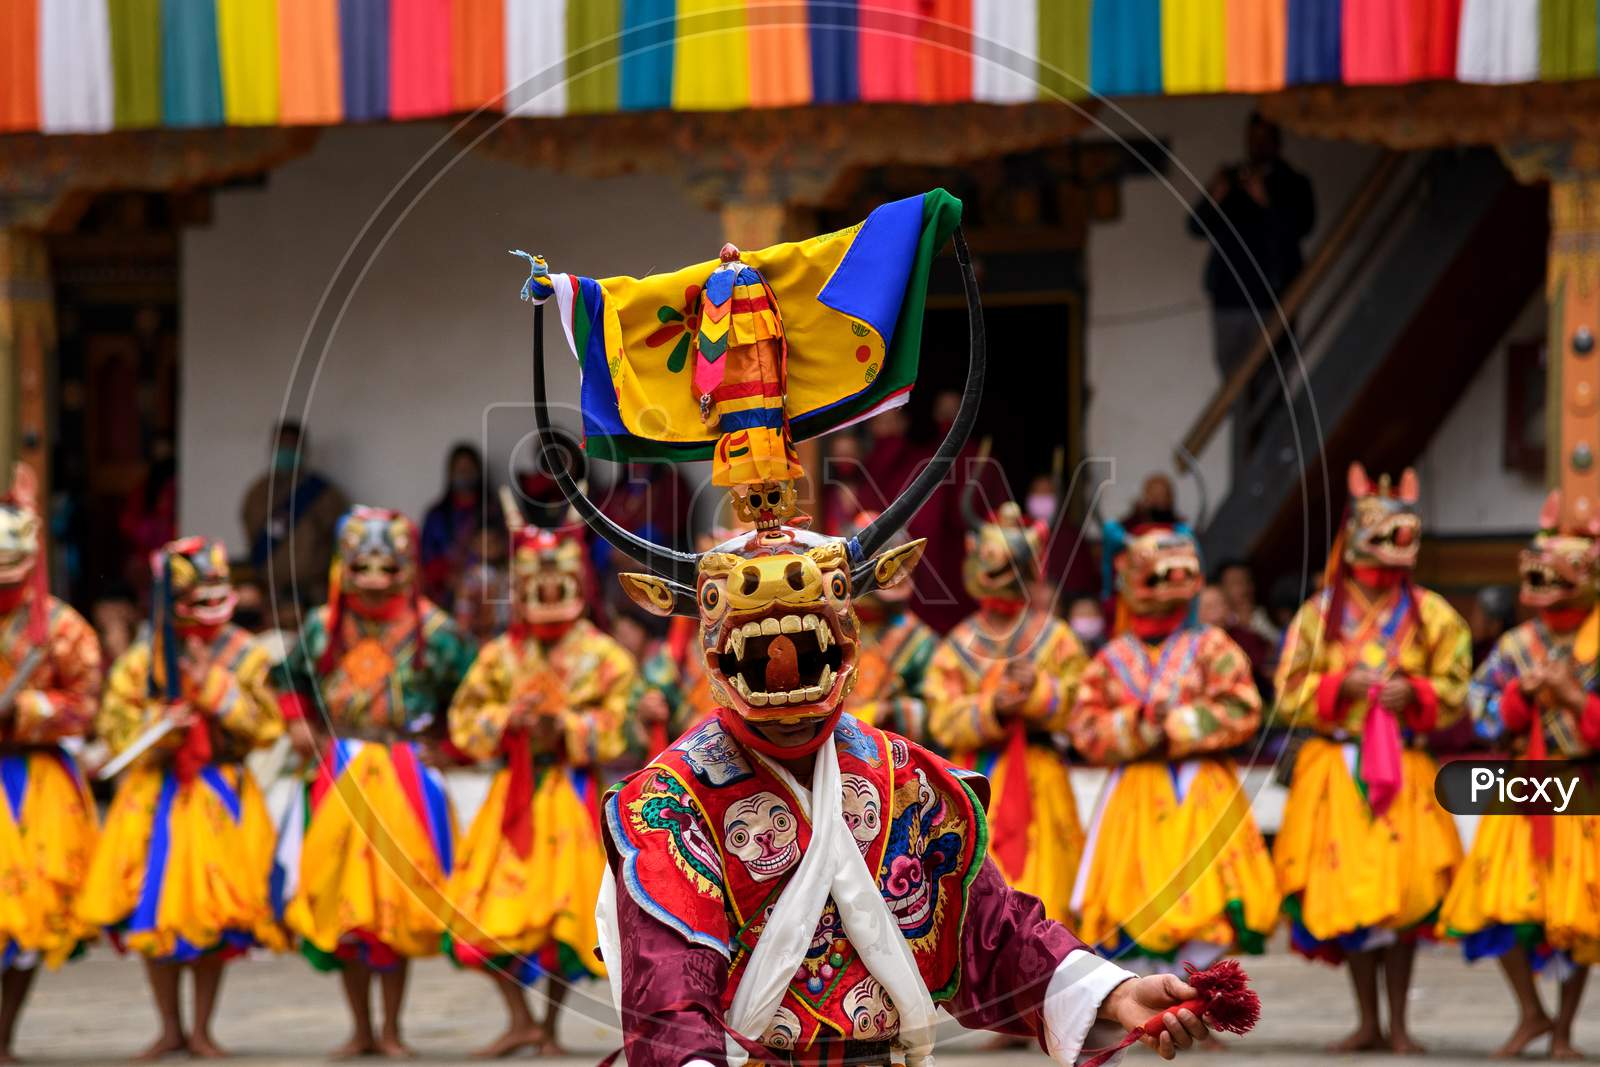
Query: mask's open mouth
1396, 540
1542, 585
552, 598
783, 660
374, 575
208, 605
14, 566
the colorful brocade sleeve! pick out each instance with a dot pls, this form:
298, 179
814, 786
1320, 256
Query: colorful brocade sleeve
961, 713
127, 710
1301, 668
240, 697
1498, 670
482, 704
594, 724
450, 655
1107, 723
961, 716
1223, 709
1447, 647
297, 673
63, 704
1061, 662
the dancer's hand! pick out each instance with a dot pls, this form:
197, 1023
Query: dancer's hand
1358, 682
1138, 1000
1397, 693
653, 707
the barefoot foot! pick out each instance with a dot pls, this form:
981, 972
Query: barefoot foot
1402, 1044
202, 1047
1363, 1040
390, 1046
163, 1046
515, 1038
358, 1046
1561, 1048
1527, 1032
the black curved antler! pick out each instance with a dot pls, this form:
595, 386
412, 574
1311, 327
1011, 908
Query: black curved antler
899, 512
681, 567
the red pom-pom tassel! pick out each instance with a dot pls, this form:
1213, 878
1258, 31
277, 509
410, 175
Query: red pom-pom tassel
1226, 1002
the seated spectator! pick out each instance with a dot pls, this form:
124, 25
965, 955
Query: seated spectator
1088, 623
452, 528
1238, 585
1493, 612
1213, 609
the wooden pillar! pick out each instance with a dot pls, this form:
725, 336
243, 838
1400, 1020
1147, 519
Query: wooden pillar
1573, 292
27, 347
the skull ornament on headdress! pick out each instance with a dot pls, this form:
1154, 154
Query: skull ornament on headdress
778, 624
1558, 569
1382, 527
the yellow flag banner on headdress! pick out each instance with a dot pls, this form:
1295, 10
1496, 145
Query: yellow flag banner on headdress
850, 305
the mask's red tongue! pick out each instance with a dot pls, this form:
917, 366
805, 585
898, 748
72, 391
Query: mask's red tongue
783, 665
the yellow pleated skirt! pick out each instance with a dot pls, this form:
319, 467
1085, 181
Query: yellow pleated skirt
1503, 884
1165, 871
1343, 870
375, 859
1055, 836
183, 868
535, 913
47, 840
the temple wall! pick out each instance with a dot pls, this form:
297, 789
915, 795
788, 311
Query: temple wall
434, 336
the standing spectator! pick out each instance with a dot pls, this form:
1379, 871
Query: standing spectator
1256, 216
453, 526
1156, 505
1238, 585
149, 517
290, 514
1068, 557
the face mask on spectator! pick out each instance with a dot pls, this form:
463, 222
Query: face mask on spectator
283, 458
1041, 507
1088, 627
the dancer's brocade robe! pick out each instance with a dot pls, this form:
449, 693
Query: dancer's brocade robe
530, 866
374, 862
890, 669
1037, 836
705, 840
1163, 715
1530, 881
1346, 870
47, 817
184, 863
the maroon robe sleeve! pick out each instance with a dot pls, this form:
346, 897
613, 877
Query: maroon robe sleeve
1010, 951
672, 992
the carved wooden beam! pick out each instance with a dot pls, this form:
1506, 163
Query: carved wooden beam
781, 156
1440, 114
46, 179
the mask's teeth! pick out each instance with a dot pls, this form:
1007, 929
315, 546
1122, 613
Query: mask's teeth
790, 624
824, 637
736, 643
825, 682
775, 699
769, 627
813, 694
811, 622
